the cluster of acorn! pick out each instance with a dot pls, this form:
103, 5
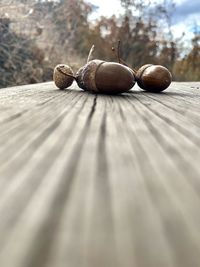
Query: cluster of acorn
99, 76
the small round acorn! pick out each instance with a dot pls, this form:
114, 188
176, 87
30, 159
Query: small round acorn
153, 78
63, 76
105, 77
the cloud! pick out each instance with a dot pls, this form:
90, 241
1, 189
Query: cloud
188, 8
186, 19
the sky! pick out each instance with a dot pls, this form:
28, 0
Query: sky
185, 16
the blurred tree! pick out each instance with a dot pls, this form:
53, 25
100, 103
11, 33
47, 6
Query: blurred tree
147, 44
21, 61
187, 69
65, 25
139, 30
41, 34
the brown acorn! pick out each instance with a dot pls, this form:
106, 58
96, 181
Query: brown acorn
105, 77
153, 78
63, 76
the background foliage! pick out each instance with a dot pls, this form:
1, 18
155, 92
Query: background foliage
36, 35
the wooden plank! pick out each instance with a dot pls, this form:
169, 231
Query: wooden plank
94, 180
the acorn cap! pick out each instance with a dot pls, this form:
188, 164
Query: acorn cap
60, 77
140, 73
85, 76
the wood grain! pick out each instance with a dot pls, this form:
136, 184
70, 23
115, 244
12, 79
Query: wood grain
99, 181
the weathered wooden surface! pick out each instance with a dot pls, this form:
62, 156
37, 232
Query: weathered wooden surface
99, 181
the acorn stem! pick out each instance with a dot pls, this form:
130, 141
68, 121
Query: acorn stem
120, 60
118, 51
90, 53
117, 54
67, 74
